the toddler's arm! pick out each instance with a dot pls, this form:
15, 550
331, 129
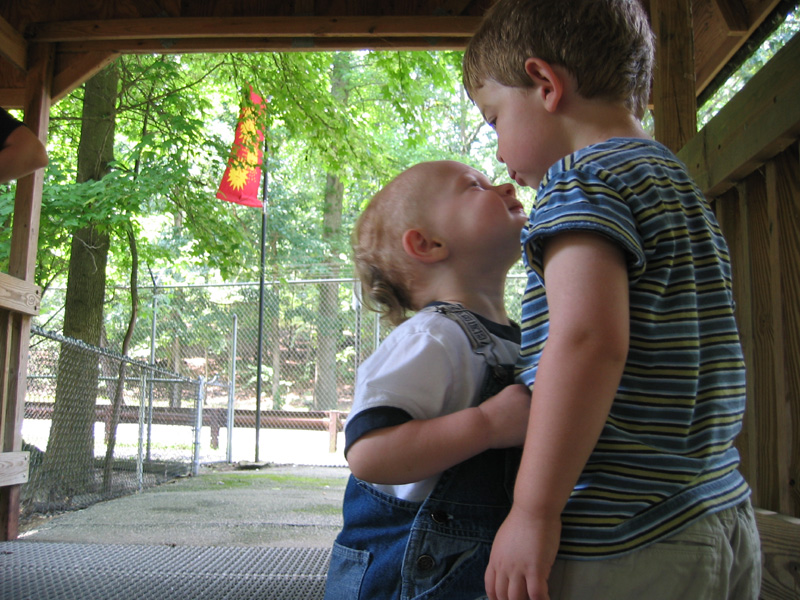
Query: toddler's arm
576, 381
422, 448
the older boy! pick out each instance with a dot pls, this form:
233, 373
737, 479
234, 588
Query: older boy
628, 486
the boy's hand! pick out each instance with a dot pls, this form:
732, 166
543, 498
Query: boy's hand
522, 555
506, 415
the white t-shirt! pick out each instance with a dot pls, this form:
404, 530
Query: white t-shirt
425, 368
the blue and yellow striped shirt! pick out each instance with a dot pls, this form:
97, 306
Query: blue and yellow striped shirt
665, 457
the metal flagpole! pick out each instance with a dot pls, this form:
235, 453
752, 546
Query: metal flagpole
261, 292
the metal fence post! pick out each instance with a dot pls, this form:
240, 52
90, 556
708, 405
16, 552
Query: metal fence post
142, 419
232, 391
152, 362
376, 340
198, 423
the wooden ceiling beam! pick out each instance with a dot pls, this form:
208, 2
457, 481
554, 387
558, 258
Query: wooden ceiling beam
245, 27
74, 69
12, 97
673, 93
13, 46
734, 13
195, 45
756, 124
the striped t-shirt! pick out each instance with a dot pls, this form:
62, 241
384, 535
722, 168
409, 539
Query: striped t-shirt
665, 457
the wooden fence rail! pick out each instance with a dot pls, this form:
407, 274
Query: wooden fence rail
331, 421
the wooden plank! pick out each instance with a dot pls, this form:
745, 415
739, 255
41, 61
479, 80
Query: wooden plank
761, 371
15, 326
674, 101
12, 97
238, 27
13, 46
715, 42
783, 181
731, 211
72, 70
777, 411
14, 468
304, 7
265, 44
28, 199
780, 551
734, 13
19, 296
758, 123
15, 331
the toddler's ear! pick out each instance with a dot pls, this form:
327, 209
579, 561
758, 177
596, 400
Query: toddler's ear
548, 81
420, 246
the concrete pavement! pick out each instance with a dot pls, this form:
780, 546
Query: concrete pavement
287, 506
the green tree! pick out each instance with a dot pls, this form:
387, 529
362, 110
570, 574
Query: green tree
70, 449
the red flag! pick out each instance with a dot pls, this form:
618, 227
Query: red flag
243, 173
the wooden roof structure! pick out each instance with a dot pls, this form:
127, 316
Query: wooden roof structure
745, 160
85, 36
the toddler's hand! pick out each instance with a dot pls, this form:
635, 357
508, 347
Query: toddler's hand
506, 415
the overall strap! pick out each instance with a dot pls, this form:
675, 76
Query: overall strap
475, 331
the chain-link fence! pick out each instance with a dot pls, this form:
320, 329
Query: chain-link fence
90, 429
93, 437
314, 335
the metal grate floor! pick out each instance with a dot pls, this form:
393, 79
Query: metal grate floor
65, 571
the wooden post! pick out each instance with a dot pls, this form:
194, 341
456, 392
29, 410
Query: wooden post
674, 96
15, 325
333, 429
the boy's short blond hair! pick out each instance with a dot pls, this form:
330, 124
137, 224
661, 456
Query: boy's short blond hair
607, 45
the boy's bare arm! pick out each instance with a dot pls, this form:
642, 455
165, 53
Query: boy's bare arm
422, 448
576, 381
21, 154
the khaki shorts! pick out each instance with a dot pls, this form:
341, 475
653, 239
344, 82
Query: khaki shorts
716, 558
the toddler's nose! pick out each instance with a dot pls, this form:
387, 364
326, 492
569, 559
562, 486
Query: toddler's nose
507, 189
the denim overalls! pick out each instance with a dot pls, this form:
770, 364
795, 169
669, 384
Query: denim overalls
394, 549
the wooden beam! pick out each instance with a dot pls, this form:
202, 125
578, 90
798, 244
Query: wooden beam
780, 549
74, 69
719, 50
756, 124
13, 45
304, 7
244, 27
674, 101
263, 44
734, 13
15, 327
731, 211
20, 296
778, 412
12, 97
14, 468
783, 182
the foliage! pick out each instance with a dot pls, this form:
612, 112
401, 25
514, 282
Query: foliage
175, 121
750, 67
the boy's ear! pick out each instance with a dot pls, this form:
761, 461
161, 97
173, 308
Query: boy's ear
419, 246
548, 81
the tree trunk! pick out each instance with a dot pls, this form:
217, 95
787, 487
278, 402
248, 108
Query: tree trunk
119, 392
326, 393
69, 461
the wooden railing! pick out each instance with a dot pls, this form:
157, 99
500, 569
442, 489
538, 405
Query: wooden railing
331, 421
